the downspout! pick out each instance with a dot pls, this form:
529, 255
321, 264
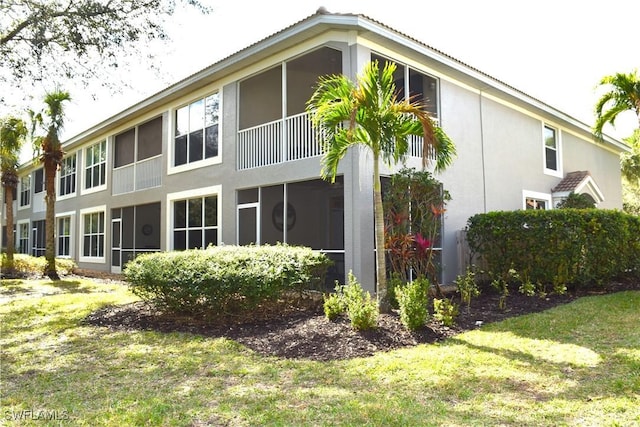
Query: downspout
484, 178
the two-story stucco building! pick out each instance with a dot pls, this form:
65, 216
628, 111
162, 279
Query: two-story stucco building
228, 156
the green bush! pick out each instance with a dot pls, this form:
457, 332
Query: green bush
351, 299
334, 304
224, 278
467, 287
362, 310
445, 311
412, 301
561, 247
30, 266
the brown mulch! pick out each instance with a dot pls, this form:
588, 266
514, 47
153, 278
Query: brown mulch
300, 330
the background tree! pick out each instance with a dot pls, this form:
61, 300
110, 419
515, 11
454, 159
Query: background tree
631, 176
377, 120
623, 95
12, 136
49, 149
576, 201
77, 39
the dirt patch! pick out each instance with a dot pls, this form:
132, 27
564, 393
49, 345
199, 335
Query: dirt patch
300, 330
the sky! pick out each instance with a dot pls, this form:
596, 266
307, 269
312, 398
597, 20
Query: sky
553, 50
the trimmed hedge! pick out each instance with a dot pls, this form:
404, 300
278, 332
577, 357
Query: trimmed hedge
224, 278
579, 247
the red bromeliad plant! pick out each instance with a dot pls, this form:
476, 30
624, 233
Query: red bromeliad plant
414, 207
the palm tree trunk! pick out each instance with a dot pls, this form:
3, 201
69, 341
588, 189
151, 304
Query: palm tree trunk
8, 266
381, 265
50, 216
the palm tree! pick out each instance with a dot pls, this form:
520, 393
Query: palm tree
624, 95
375, 119
12, 136
50, 155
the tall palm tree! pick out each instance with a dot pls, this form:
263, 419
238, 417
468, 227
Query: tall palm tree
624, 95
12, 136
368, 113
50, 155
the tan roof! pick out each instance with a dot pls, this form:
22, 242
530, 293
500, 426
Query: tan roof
571, 181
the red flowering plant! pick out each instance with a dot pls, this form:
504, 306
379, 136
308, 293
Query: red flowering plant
414, 207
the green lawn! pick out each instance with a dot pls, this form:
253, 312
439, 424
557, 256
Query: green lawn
574, 365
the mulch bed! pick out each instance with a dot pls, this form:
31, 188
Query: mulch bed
300, 330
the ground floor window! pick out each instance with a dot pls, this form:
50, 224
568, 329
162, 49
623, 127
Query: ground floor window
195, 223
533, 200
38, 239
194, 218
22, 242
64, 236
93, 234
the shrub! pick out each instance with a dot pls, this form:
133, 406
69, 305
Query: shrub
561, 247
467, 287
445, 311
224, 278
362, 310
28, 266
334, 304
412, 300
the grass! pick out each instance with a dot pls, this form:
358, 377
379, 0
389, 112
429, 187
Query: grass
578, 364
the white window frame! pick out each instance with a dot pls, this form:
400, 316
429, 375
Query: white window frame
19, 193
72, 230
19, 225
171, 168
558, 139
85, 158
215, 190
83, 213
545, 197
60, 176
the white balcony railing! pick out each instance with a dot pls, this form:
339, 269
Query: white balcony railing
138, 176
292, 138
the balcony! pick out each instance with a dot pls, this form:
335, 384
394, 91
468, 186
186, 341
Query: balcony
289, 139
138, 176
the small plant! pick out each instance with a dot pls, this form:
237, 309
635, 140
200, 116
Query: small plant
412, 300
527, 288
467, 287
501, 284
361, 308
445, 311
334, 304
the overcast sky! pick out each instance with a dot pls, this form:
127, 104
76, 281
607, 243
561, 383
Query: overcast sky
556, 51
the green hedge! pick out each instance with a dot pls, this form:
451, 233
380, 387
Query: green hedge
579, 247
224, 278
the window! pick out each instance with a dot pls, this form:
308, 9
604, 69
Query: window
38, 242
38, 176
535, 200
25, 192
22, 243
93, 225
95, 168
552, 160
196, 131
422, 87
64, 236
195, 223
68, 176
